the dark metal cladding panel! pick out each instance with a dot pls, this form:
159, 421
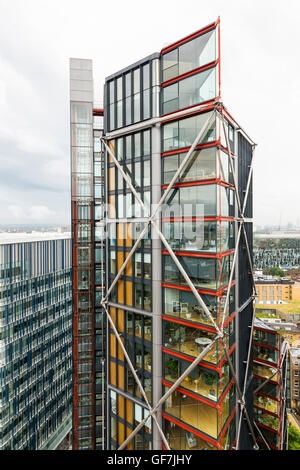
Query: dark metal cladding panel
245, 290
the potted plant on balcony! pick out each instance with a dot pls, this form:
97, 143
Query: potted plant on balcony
172, 367
209, 379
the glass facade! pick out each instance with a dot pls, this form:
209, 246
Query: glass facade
198, 223
131, 96
35, 342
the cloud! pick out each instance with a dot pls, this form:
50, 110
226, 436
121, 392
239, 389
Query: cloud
16, 212
40, 213
36, 213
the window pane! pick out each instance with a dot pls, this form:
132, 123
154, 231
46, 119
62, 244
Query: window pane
136, 81
136, 106
198, 52
128, 89
147, 173
146, 76
146, 104
146, 150
119, 89
128, 118
170, 65
111, 87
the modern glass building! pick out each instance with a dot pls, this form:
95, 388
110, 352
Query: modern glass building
35, 341
178, 286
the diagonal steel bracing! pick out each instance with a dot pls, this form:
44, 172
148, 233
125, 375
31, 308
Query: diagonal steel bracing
169, 392
117, 334
199, 136
241, 220
261, 435
219, 333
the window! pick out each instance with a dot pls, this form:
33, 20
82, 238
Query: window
181, 134
189, 91
202, 165
203, 272
190, 55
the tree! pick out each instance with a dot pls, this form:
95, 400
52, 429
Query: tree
275, 271
294, 438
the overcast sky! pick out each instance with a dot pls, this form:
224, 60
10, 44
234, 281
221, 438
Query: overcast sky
260, 85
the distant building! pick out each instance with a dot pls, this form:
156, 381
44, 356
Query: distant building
289, 331
278, 314
35, 340
273, 290
286, 258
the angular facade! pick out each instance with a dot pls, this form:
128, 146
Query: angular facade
35, 342
178, 227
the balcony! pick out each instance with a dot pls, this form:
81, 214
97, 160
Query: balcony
180, 439
202, 381
194, 413
192, 341
267, 404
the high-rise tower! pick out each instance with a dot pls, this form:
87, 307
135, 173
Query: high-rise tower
177, 218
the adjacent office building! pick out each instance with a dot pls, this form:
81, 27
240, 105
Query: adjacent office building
168, 324
35, 341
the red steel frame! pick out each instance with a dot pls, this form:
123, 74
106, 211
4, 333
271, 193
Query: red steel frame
217, 143
277, 382
90, 309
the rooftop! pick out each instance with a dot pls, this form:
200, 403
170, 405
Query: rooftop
260, 324
292, 306
295, 352
23, 237
274, 280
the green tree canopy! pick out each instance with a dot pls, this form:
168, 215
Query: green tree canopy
294, 438
275, 271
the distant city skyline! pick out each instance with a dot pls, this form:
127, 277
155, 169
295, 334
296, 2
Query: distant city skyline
34, 134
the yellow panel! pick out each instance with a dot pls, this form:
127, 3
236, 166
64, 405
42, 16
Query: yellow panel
130, 444
112, 312
121, 320
129, 235
121, 408
121, 292
111, 145
120, 352
128, 293
121, 377
112, 207
111, 177
120, 234
121, 432
120, 259
113, 375
113, 340
128, 269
